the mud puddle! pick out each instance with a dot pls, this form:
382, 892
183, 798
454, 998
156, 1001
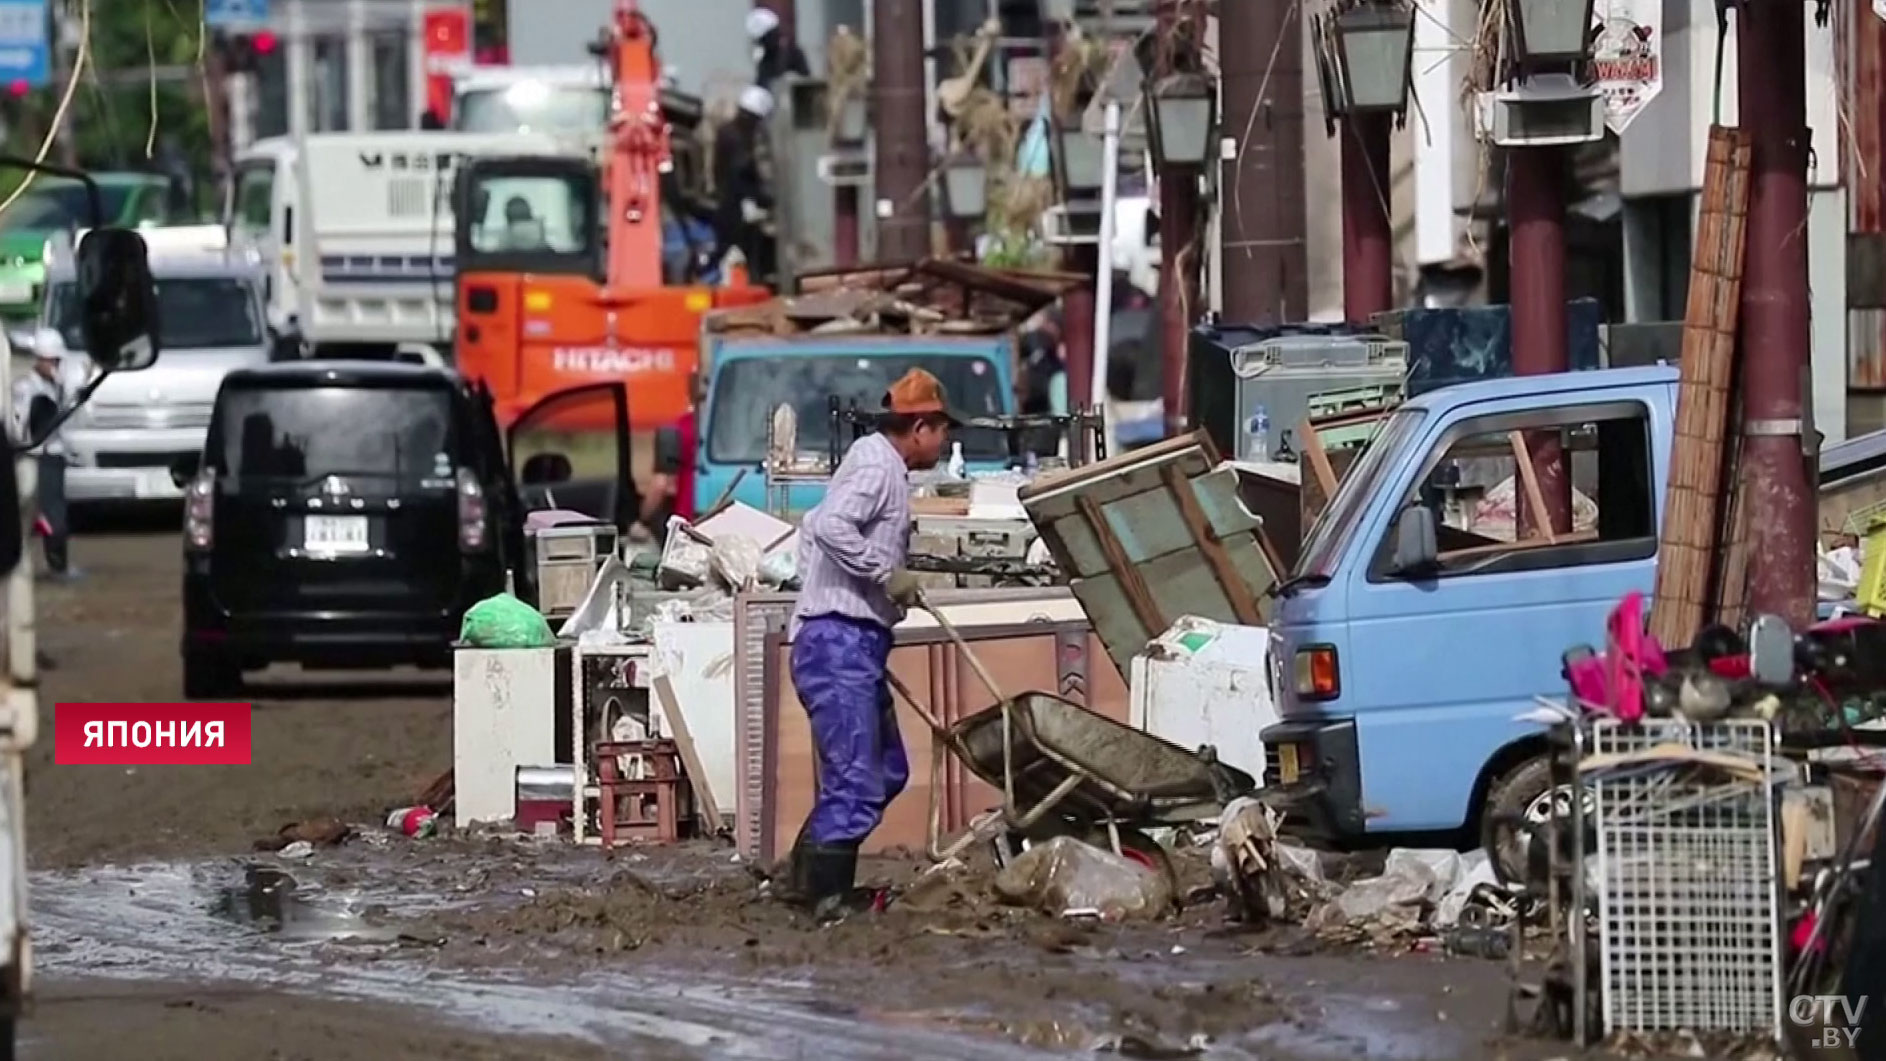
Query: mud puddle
235, 923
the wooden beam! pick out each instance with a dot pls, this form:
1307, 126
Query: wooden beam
1243, 601
1132, 585
1529, 478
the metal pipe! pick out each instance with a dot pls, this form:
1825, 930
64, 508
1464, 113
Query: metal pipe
1103, 267
1775, 327
1535, 203
1368, 262
1266, 267
903, 156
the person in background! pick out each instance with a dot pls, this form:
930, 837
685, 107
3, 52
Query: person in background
742, 201
855, 590
37, 399
774, 53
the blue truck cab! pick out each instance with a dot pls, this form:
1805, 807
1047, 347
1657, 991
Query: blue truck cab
748, 378
1403, 646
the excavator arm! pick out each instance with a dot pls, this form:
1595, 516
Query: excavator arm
639, 153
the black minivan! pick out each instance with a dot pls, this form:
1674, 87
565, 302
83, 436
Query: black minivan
345, 514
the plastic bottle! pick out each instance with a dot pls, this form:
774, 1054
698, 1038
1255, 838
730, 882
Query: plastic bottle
956, 460
1257, 436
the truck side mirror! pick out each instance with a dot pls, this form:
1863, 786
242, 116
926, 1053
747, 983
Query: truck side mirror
1416, 550
119, 300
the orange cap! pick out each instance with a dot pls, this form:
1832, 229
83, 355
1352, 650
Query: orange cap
918, 393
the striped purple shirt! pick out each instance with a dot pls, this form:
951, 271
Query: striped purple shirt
851, 542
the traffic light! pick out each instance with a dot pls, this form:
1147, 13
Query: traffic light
243, 53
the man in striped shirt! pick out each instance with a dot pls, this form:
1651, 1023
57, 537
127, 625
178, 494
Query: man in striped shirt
854, 589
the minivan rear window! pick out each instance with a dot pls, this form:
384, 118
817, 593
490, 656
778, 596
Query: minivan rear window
300, 434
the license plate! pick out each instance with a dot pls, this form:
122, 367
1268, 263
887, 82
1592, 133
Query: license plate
1287, 768
11, 294
156, 483
335, 534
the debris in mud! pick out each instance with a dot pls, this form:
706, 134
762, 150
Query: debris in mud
1151, 1047
1065, 874
315, 832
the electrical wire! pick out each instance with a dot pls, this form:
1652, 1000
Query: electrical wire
65, 101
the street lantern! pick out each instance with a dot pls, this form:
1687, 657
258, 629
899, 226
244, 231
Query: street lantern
965, 187
1551, 31
1374, 53
1181, 112
1079, 159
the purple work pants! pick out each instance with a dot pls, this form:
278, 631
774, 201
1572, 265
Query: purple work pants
838, 669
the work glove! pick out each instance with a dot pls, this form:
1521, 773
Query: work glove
753, 213
905, 588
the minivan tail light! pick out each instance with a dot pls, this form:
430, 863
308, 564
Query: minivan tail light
471, 511
199, 512
1318, 676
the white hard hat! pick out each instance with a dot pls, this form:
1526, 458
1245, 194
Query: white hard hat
756, 101
760, 22
48, 343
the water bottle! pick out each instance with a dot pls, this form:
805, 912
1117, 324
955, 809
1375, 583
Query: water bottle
1257, 437
956, 460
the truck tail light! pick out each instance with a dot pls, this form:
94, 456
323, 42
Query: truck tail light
199, 512
1318, 676
471, 512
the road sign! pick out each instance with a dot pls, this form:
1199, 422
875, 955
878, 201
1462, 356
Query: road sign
25, 56
234, 12
1628, 57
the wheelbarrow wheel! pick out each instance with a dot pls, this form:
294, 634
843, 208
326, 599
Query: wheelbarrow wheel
1140, 849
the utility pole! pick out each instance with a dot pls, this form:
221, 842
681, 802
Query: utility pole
903, 162
1535, 206
216, 106
1770, 38
1262, 222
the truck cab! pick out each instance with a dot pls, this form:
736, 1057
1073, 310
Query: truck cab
1416, 627
751, 377
355, 230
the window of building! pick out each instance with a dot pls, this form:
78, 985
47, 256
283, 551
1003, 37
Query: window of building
1488, 474
393, 107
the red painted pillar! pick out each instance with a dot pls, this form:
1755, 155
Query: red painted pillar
845, 225
1535, 204
1179, 254
1077, 327
1775, 331
1368, 255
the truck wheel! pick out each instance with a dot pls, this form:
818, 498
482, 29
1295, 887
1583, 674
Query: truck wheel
1520, 802
207, 676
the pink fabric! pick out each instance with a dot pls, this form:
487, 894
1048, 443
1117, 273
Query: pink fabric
1615, 680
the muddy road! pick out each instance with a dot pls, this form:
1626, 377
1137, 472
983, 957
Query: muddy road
158, 925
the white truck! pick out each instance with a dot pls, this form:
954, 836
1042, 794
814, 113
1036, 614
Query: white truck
356, 230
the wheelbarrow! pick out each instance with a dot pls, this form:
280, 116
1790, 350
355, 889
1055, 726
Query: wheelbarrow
1065, 771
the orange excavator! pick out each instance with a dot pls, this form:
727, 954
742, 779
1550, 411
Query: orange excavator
561, 274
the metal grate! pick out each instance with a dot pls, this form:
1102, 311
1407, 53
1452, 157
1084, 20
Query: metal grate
1689, 904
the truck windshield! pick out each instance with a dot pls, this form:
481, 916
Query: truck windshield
746, 391
194, 313
533, 107
302, 434
49, 207
529, 214
1327, 540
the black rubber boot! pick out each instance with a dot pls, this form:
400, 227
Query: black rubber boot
793, 883
834, 878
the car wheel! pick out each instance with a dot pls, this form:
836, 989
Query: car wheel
1519, 803
207, 676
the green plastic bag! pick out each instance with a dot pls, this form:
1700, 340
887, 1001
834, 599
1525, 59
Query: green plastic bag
504, 621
